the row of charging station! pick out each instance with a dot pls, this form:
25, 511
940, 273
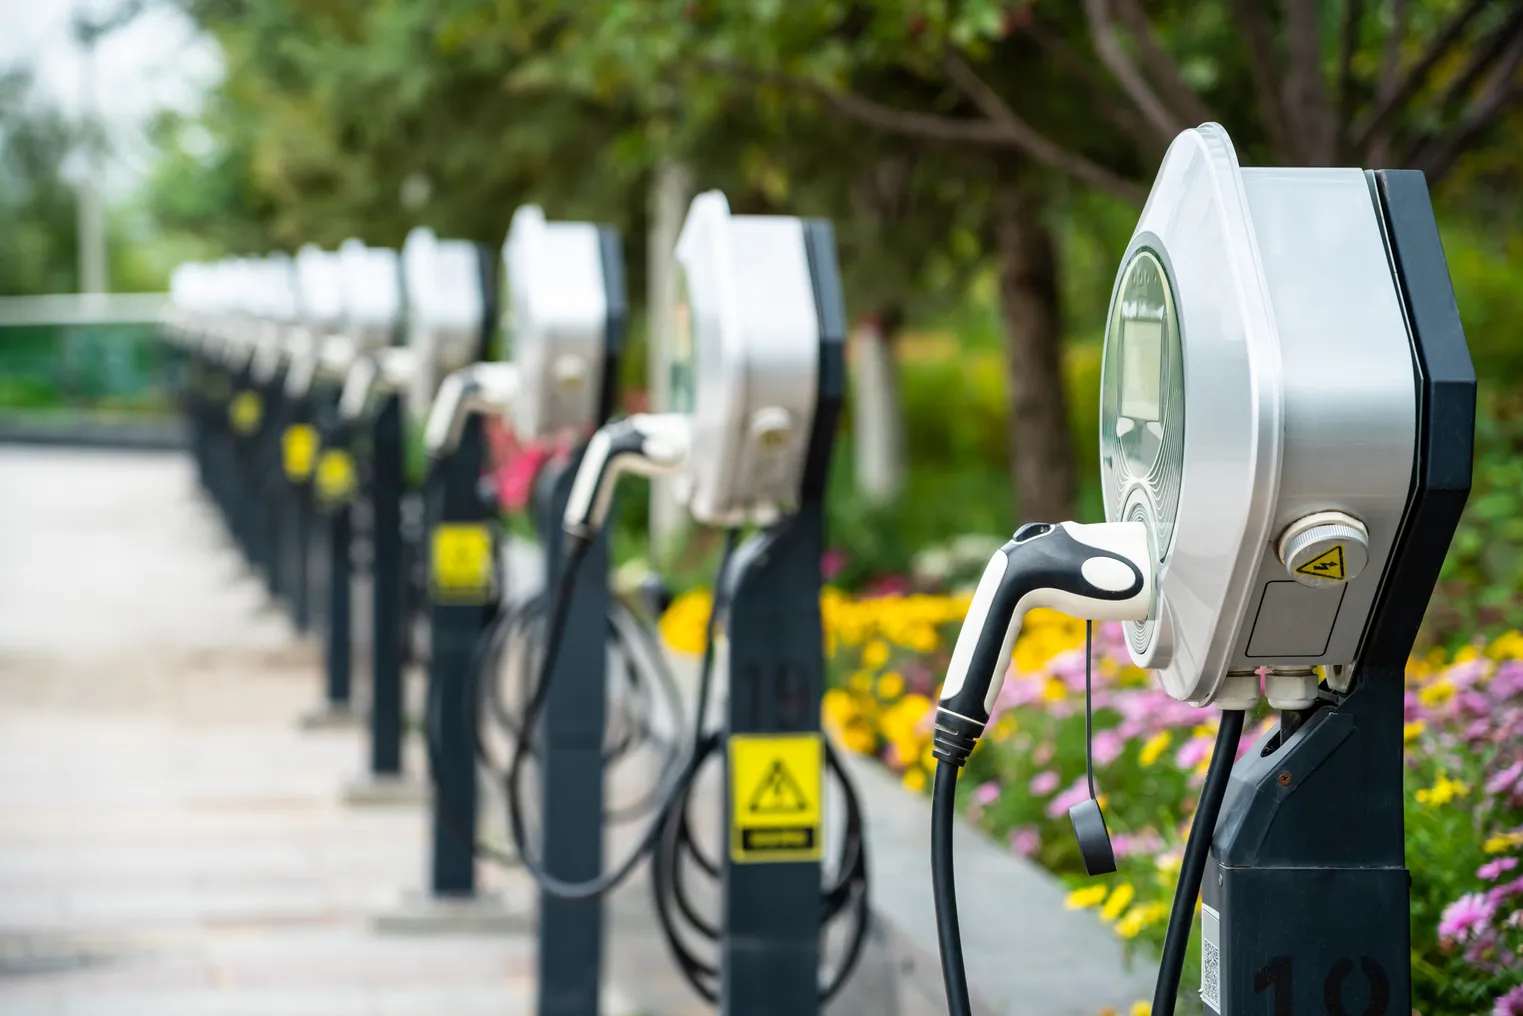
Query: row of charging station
303, 376
1287, 407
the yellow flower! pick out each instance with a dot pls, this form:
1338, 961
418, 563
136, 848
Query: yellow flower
928, 757
890, 686
875, 654
1502, 842
901, 721
1412, 731
682, 625
1083, 899
1168, 866
1139, 917
838, 707
1005, 727
859, 737
1142, 1009
1155, 747
1054, 690
1442, 792
1437, 693
1115, 905
1508, 646
913, 779
1466, 654
861, 681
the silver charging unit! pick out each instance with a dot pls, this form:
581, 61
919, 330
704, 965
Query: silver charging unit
370, 411
760, 353
448, 312
332, 476
563, 319
1287, 406
1286, 419
759, 376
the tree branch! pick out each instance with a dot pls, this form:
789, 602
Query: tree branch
1122, 116
1353, 15
1483, 59
1259, 37
1028, 139
1306, 106
1103, 31
1417, 75
1160, 66
1438, 155
1009, 132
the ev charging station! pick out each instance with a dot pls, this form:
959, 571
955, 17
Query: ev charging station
332, 480
1287, 415
760, 346
564, 315
449, 313
370, 280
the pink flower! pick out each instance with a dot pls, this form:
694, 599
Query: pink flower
1510, 1004
1127, 844
1058, 806
1108, 747
1043, 783
986, 793
831, 563
1506, 779
1492, 870
1025, 840
1191, 752
1465, 917
1498, 895
1043, 753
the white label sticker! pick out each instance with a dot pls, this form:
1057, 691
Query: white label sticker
1211, 959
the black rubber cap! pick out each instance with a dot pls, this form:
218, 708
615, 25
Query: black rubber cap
1094, 839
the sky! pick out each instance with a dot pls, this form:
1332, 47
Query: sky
159, 60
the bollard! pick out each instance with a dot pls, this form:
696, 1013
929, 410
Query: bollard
460, 567
570, 756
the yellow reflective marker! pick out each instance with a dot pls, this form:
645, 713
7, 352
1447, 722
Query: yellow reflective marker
335, 477
460, 565
245, 412
776, 787
298, 446
1326, 565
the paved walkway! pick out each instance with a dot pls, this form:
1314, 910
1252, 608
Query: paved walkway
170, 842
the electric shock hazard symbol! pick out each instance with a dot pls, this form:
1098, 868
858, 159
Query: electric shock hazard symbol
1326, 565
460, 563
776, 783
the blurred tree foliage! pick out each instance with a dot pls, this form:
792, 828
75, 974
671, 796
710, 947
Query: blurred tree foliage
37, 207
943, 137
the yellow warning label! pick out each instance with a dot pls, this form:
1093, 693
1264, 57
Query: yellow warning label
1326, 565
298, 446
776, 784
335, 479
460, 565
245, 412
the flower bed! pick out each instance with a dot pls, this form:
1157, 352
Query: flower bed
1464, 808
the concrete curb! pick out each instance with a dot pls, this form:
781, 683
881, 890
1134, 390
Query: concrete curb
159, 435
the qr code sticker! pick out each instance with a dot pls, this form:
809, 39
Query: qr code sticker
1210, 959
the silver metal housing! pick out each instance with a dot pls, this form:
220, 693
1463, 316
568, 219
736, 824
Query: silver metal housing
1301, 396
555, 312
749, 331
441, 282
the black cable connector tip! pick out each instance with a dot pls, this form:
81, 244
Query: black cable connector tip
954, 737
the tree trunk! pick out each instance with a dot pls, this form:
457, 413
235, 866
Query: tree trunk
877, 414
1041, 448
